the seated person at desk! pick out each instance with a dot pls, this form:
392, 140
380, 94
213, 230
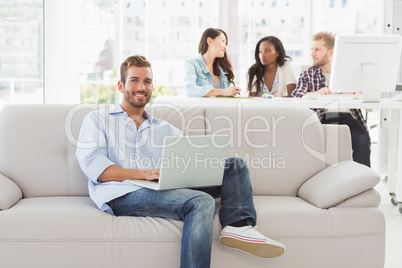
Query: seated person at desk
210, 73
272, 72
315, 80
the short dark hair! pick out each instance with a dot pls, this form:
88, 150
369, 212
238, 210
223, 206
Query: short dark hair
135, 60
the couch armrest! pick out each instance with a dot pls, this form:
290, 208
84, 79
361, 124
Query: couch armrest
10, 193
334, 185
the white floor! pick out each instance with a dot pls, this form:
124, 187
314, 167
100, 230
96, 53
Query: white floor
393, 218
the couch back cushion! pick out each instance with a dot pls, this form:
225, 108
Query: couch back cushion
38, 144
35, 152
189, 119
283, 146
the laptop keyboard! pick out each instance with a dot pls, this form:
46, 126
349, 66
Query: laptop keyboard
334, 97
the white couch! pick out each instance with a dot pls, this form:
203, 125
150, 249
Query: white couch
308, 194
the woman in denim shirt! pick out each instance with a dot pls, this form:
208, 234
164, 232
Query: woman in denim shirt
210, 73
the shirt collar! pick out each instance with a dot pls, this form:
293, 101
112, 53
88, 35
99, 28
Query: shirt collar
115, 109
317, 70
203, 65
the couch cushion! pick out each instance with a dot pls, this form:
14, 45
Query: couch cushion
311, 233
283, 146
188, 119
55, 219
369, 198
336, 184
73, 219
35, 152
336, 137
57, 228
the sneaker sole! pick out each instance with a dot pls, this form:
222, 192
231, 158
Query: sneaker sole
261, 250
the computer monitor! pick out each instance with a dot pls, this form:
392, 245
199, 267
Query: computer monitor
365, 63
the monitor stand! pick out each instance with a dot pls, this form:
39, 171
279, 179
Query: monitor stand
371, 91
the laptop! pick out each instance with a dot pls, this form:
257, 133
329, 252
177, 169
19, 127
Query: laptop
190, 162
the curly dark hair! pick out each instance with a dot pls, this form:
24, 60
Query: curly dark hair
257, 69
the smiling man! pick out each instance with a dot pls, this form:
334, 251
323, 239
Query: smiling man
108, 141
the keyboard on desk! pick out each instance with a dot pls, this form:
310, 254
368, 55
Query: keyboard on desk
334, 97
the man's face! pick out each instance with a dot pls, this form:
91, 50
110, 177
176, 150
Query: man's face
137, 89
320, 54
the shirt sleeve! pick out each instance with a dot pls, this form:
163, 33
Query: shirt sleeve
190, 82
290, 77
91, 150
302, 85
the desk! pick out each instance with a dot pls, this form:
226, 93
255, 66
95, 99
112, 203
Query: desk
395, 136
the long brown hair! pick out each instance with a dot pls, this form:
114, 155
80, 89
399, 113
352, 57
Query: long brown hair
223, 62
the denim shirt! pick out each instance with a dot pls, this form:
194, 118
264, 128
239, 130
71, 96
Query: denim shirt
198, 80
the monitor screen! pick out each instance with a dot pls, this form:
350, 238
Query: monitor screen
365, 63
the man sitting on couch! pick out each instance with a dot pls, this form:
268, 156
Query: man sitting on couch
105, 158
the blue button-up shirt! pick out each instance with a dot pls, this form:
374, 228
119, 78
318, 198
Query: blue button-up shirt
198, 80
109, 137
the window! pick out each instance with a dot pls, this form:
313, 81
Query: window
362, 16
294, 23
166, 41
99, 35
21, 51
280, 20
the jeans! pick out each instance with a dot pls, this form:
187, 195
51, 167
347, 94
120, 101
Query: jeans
196, 207
360, 137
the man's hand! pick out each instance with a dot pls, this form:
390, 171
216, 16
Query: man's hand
352, 93
152, 174
322, 91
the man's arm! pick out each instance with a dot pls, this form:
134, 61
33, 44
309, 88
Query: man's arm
302, 85
93, 158
116, 173
309, 85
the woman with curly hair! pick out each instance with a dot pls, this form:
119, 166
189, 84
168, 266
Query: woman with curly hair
272, 72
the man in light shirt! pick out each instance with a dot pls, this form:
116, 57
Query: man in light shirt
127, 130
